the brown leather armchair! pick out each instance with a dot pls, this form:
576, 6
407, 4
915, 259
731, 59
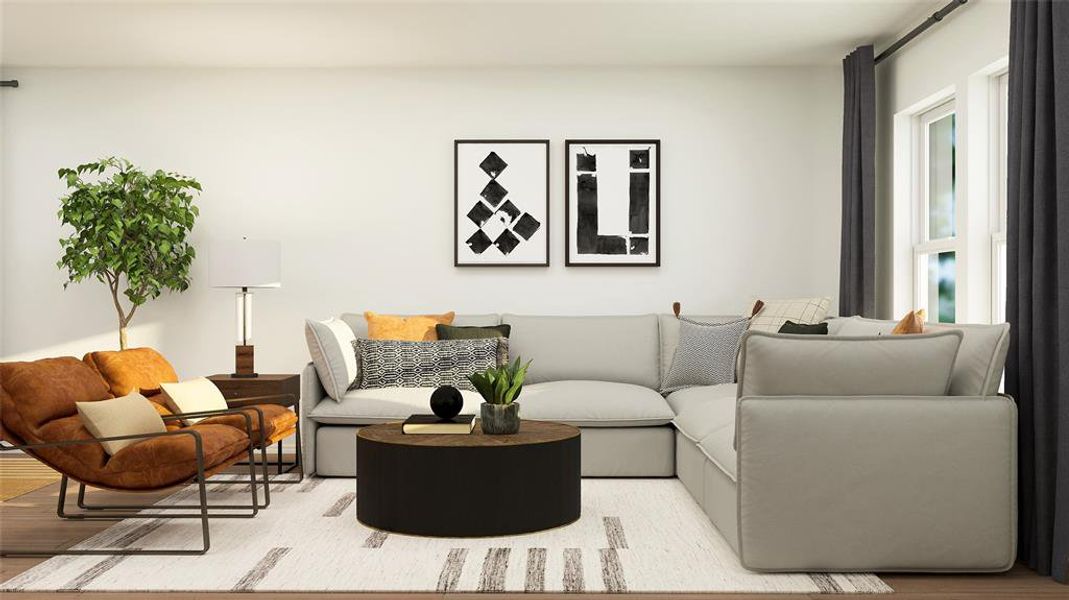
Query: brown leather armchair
39, 417
145, 369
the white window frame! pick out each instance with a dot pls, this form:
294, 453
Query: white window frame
999, 169
923, 247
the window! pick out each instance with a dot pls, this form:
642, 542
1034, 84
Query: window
998, 234
935, 251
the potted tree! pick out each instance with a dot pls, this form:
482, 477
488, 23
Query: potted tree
500, 387
130, 231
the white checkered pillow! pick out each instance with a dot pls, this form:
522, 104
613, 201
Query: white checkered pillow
805, 311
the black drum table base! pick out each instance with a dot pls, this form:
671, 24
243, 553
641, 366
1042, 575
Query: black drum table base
455, 490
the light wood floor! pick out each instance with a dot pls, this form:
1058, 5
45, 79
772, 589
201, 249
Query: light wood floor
31, 519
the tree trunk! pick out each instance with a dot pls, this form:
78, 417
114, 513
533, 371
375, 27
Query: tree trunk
122, 337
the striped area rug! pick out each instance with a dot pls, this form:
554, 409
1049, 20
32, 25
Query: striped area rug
635, 535
22, 475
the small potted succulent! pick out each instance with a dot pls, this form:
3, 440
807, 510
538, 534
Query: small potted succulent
500, 388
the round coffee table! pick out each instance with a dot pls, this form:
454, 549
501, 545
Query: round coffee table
468, 485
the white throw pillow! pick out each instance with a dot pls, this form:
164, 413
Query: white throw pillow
195, 395
129, 415
330, 343
805, 311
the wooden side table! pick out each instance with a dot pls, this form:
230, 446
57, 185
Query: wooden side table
237, 390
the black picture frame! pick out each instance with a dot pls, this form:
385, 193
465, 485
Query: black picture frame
655, 209
457, 201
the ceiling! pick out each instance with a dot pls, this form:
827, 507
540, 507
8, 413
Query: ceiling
481, 33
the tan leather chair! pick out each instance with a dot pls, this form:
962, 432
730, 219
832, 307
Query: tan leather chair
144, 369
39, 417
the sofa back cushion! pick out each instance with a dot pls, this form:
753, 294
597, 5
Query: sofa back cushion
669, 330
775, 364
330, 343
625, 349
359, 324
981, 359
132, 370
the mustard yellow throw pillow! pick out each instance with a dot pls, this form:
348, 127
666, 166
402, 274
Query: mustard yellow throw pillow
913, 322
419, 328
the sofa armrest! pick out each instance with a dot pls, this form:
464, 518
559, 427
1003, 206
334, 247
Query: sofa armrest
877, 483
312, 393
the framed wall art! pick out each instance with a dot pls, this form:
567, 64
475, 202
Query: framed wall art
612, 202
501, 203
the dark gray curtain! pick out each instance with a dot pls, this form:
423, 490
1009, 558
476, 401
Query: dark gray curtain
857, 250
1037, 294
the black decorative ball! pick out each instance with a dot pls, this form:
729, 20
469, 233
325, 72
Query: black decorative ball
446, 402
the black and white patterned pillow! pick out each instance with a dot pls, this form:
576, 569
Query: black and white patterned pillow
705, 354
395, 363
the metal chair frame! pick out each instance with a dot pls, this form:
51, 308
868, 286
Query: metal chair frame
284, 467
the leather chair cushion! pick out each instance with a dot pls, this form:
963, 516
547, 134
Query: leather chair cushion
149, 464
81, 461
165, 412
278, 421
40, 391
133, 369
164, 461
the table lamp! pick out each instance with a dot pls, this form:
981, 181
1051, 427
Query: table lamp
245, 264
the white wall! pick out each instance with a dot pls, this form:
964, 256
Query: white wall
952, 59
349, 167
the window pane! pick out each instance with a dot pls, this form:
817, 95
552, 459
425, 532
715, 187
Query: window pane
941, 149
1000, 282
1003, 137
941, 287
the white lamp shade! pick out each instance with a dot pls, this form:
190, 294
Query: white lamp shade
246, 264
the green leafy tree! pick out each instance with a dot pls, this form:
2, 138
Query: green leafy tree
130, 231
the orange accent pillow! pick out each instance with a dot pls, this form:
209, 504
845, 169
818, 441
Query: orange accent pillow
131, 370
913, 322
418, 328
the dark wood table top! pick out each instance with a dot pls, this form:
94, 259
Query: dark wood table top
531, 432
261, 377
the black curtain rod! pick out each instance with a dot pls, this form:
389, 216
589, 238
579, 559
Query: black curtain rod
919, 29
10, 83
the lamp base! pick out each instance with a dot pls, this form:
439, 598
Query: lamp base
243, 362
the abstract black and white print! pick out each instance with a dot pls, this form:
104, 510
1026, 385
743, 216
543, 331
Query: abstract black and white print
501, 202
613, 208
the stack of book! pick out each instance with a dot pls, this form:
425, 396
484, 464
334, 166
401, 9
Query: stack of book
433, 424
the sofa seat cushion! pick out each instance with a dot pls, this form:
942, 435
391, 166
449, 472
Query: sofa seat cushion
706, 416
594, 404
384, 405
683, 400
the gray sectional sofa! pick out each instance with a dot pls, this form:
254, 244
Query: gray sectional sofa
796, 475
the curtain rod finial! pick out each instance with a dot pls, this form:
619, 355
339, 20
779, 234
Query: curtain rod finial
12, 83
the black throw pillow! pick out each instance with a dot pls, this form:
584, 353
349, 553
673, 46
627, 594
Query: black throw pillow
801, 329
450, 332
